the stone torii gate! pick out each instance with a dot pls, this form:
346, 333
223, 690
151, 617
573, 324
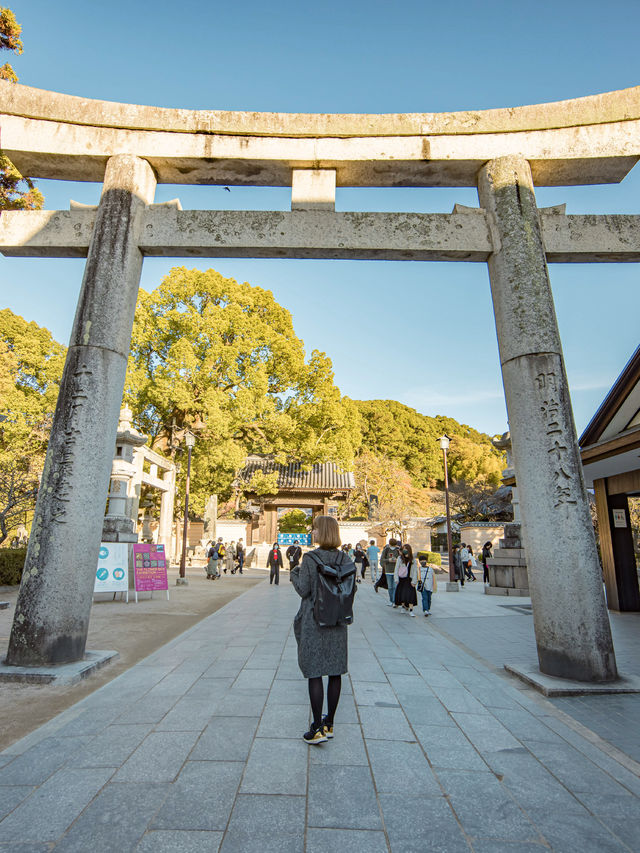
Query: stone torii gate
503, 152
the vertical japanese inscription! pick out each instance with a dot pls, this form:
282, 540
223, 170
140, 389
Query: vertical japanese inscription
64, 469
551, 410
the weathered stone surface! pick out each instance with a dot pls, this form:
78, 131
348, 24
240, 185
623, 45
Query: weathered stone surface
571, 623
589, 140
52, 613
170, 231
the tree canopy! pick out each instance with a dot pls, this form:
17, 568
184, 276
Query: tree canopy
31, 365
222, 358
294, 521
16, 191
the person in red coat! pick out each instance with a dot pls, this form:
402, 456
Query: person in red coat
274, 563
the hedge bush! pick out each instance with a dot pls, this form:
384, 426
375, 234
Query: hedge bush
11, 565
430, 557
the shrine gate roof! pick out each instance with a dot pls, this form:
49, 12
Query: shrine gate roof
292, 476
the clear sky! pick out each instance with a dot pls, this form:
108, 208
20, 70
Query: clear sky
421, 333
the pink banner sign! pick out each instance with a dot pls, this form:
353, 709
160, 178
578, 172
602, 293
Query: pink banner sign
150, 567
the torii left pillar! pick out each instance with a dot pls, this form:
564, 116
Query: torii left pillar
52, 613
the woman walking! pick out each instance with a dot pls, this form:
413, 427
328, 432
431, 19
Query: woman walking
472, 564
486, 555
406, 578
229, 558
321, 651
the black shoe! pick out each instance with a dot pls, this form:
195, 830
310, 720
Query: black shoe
315, 735
328, 729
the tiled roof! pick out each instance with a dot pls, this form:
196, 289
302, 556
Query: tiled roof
322, 477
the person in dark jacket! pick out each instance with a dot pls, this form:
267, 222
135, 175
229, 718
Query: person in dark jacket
486, 555
294, 555
360, 559
388, 559
457, 565
240, 555
274, 564
321, 651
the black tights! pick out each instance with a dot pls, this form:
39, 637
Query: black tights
316, 695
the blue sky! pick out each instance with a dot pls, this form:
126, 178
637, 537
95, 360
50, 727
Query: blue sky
421, 333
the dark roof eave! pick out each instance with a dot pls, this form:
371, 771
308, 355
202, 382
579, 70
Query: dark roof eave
619, 392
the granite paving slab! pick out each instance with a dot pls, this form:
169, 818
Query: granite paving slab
276, 767
419, 824
226, 739
398, 765
179, 841
46, 814
342, 797
345, 841
201, 797
266, 824
158, 758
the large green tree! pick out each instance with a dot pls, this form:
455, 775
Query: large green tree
16, 191
31, 363
222, 358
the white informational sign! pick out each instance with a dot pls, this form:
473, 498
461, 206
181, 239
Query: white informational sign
619, 518
112, 574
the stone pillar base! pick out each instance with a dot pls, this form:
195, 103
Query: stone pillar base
61, 675
452, 586
182, 581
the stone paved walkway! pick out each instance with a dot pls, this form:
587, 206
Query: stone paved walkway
198, 748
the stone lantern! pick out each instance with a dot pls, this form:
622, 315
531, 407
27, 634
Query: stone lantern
508, 573
119, 525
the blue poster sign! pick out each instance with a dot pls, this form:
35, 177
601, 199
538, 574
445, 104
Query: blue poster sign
290, 538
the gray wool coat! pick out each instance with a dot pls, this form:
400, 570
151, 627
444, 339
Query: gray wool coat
321, 651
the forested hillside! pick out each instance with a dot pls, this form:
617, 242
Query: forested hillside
397, 432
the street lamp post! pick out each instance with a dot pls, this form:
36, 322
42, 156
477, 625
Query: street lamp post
181, 580
444, 444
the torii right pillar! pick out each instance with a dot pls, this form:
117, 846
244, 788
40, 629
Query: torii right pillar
571, 622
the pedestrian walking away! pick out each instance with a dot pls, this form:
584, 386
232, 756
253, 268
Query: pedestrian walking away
322, 651
240, 555
274, 564
457, 565
388, 559
212, 561
425, 586
222, 555
294, 555
486, 555
359, 558
472, 564
406, 579
231, 557
373, 554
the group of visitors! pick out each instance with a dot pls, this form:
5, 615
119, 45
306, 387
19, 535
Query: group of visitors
403, 576
275, 561
228, 556
465, 563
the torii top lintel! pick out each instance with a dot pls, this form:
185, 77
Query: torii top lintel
590, 140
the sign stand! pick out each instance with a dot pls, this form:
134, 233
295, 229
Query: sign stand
149, 569
112, 574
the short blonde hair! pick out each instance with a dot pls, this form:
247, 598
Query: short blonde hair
327, 531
